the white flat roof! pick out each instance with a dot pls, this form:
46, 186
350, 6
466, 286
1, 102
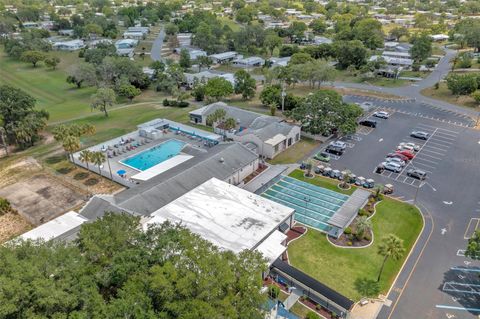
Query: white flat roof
229, 217
55, 227
160, 168
272, 248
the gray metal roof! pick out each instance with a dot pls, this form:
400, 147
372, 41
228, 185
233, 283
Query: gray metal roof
220, 162
344, 216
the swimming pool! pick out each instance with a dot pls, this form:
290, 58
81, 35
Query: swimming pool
155, 155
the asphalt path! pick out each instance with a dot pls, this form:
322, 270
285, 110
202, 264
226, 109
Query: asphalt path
156, 52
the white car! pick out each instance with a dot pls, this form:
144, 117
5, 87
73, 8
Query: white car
395, 160
409, 146
391, 166
339, 144
382, 114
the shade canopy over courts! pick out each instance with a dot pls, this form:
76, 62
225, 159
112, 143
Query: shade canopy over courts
315, 206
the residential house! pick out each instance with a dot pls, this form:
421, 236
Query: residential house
224, 57
267, 135
71, 45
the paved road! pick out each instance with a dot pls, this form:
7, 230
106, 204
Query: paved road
156, 52
413, 91
436, 282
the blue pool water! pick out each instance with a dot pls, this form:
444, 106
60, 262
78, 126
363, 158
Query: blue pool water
155, 155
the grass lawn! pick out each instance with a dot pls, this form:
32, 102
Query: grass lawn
297, 152
339, 267
63, 101
345, 76
321, 181
59, 98
232, 24
300, 310
444, 94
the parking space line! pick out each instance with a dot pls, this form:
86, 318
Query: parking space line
423, 164
423, 159
458, 308
438, 148
458, 287
451, 138
472, 226
441, 141
423, 154
461, 252
436, 151
437, 145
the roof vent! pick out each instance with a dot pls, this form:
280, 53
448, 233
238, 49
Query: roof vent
222, 160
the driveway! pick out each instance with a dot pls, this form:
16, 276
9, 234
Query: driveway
156, 52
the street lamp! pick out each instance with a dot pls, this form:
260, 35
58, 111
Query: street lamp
416, 192
283, 95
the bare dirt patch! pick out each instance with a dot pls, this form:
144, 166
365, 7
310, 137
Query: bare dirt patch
42, 197
13, 170
12, 225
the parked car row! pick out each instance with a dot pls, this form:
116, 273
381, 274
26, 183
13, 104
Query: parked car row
405, 152
336, 174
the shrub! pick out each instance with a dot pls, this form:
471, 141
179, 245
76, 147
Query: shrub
80, 176
91, 182
362, 212
166, 102
349, 243
367, 237
312, 315
5, 206
273, 291
430, 63
183, 104
436, 86
347, 231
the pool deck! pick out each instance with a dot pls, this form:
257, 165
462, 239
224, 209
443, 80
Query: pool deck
192, 147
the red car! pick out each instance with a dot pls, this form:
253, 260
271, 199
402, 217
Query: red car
406, 153
399, 155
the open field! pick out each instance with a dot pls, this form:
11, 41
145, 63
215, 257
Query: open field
444, 94
12, 225
63, 101
340, 267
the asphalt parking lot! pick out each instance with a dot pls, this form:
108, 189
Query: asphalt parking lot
441, 282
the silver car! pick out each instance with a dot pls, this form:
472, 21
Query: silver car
396, 160
420, 134
391, 166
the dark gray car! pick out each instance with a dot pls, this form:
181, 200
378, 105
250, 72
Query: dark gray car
417, 173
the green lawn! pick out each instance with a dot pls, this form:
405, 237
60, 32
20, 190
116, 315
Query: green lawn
59, 98
321, 181
339, 268
296, 153
300, 310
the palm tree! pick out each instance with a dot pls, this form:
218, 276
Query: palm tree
390, 247
71, 144
98, 158
86, 156
346, 179
363, 225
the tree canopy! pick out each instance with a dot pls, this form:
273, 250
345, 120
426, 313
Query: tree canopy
22, 122
324, 112
116, 270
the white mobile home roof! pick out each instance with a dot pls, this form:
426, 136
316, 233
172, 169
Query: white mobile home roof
55, 227
229, 217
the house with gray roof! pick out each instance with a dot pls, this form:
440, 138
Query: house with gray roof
267, 135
